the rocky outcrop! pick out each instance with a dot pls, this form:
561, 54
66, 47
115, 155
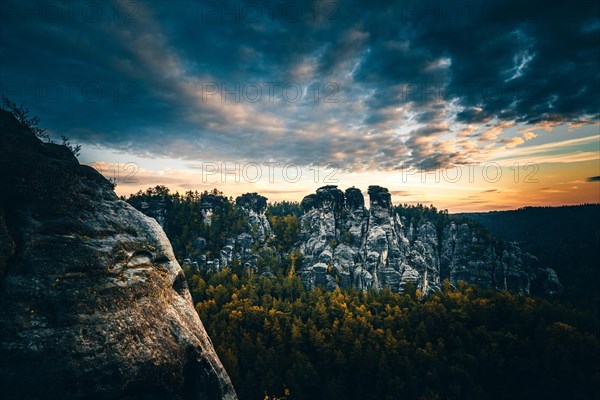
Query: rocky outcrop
253, 243
345, 245
208, 205
156, 211
93, 303
245, 248
254, 206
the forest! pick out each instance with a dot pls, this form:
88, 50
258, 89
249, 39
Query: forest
279, 341
275, 338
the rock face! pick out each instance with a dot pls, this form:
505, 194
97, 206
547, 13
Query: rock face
254, 206
209, 203
93, 303
245, 248
156, 211
346, 245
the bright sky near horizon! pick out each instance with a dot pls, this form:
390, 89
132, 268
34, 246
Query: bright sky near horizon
470, 106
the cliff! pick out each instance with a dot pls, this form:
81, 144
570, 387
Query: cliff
345, 244
93, 303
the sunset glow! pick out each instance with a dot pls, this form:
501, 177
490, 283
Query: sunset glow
384, 95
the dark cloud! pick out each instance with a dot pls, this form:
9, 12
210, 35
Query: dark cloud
593, 179
406, 76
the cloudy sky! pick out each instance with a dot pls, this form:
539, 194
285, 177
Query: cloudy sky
467, 105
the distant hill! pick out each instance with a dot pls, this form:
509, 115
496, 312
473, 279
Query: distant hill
565, 238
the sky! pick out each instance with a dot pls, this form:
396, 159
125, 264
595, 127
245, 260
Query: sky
467, 105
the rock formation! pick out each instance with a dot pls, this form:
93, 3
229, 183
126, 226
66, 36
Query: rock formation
209, 203
254, 206
344, 245
246, 247
156, 211
93, 303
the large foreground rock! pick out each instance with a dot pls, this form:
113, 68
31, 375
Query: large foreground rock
93, 304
